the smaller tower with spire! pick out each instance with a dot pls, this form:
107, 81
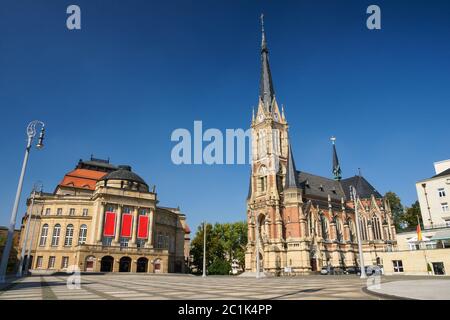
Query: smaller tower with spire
336, 166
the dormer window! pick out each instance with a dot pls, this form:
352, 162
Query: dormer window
307, 183
321, 188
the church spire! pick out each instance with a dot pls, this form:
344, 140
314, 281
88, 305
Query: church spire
266, 92
336, 165
290, 180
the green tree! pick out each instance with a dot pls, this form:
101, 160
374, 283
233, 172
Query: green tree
396, 208
411, 214
224, 243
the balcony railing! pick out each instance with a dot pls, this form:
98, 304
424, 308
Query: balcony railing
115, 249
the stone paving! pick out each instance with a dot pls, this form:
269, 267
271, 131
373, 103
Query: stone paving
161, 287
429, 289
142, 287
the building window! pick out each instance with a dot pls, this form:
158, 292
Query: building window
39, 262
398, 265
64, 262
124, 242
143, 211
140, 243
69, 236
71, 212
107, 241
338, 230
126, 210
444, 207
59, 212
44, 234
56, 234
324, 225
441, 192
85, 212
376, 228
51, 262
83, 234
447, 223
47, 211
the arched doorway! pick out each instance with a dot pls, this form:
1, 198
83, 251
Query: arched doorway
107, 264
157, 266
89, 265
125, 264
142, 265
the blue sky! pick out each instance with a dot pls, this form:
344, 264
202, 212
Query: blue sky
140, 69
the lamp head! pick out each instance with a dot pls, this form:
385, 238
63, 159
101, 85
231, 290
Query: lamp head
40, 143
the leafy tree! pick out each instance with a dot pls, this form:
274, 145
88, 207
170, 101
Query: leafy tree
224, 243
411, 214
396, 208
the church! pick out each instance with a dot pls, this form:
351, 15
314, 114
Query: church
299, 221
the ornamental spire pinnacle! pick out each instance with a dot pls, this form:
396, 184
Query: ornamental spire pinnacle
336, 165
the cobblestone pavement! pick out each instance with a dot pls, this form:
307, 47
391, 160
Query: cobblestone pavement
137, 286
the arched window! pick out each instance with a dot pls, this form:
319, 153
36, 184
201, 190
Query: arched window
376, 227
262, 179
83, 234
363, 228
44, 234
324, 224
338, 229
69, 236
56, 234
351, 228
261, 143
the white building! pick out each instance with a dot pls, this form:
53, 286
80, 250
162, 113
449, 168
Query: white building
434, 196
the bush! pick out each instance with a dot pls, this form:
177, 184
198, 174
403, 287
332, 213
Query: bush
219, 267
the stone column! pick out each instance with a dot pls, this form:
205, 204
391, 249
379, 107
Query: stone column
134, 230
100, 221
151, 218
116, 240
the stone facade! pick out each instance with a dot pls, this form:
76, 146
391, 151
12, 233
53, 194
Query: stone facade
67, 226
298, 220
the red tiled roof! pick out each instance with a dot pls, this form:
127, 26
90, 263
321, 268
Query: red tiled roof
82, 178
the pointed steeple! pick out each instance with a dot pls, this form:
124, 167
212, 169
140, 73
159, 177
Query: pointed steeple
266, 91
336, 165
290, 180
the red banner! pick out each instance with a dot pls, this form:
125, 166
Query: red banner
110, 224
143, 227
127, 223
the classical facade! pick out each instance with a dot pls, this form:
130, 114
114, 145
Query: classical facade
434, 196
105, 218
298, 220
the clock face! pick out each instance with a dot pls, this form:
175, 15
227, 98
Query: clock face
261, 117
276, 116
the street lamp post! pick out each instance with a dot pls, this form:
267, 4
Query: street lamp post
204, 249
358, 234
31, 133
25, 241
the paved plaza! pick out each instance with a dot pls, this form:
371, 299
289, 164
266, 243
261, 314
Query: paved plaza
136, 286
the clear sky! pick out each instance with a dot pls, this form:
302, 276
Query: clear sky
139, 69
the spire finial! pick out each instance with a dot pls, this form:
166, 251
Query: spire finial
262, 22
333, 139
263, 40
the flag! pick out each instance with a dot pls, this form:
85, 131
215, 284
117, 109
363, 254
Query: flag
419, 233
109, 224
143, 227
127, 223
